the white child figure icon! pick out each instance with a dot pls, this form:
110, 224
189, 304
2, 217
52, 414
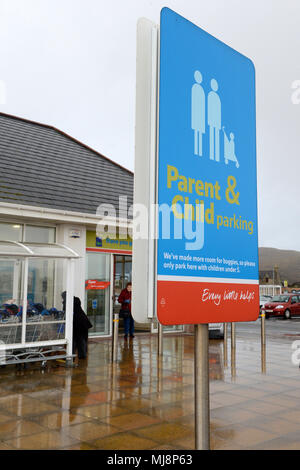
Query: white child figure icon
229, 149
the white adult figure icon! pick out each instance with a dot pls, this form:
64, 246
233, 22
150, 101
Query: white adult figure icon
198, 113
214, 121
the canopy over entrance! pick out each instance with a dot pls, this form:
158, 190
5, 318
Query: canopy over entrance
36, 250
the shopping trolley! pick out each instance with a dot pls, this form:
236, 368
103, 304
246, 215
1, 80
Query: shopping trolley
42, 325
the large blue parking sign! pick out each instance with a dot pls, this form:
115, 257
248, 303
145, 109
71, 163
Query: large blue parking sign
207, 256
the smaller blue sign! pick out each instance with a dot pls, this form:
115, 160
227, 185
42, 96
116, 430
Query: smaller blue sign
98, 241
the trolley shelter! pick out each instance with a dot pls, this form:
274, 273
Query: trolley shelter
36, 302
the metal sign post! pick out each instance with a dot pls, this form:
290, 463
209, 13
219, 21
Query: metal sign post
225, 344
263, 342
202, 427
263, 328
143, 254
160, 340
203, 266
263, 359
233, 351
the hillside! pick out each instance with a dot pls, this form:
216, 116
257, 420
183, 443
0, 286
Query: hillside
287, 261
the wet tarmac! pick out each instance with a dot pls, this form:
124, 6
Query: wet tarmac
146, 403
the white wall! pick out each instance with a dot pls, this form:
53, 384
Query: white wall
78, 245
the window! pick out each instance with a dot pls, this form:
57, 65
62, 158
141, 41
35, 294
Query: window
11, 232
35, 234
16, 232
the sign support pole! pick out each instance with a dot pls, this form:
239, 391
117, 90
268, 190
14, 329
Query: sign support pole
202, 425
225, 344
263, 342
160, 340
263, 328
233, 350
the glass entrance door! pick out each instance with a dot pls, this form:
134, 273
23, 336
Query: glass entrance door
122, 275
97, 293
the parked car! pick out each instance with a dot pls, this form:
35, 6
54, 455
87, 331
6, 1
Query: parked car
284, 305
216, 330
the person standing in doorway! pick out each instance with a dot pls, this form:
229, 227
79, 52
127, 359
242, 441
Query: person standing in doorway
214, 121
198, 113
125, 313
81, 326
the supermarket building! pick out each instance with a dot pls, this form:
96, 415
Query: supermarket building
51, 186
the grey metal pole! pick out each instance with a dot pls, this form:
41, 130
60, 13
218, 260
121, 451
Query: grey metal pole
225, 344
263, 359
233, 350
263, 342
115, 337
113, 377
160, 340
159, 374
202, 425
263, 328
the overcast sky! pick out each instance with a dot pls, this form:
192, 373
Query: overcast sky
71, 64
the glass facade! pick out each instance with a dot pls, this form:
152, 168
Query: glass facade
45, 315
41, 274
10, 298
9, 286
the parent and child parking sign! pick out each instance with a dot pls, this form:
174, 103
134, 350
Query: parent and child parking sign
207, 247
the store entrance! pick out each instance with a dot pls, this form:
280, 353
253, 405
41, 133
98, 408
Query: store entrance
122, 275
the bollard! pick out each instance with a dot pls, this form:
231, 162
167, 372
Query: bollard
115, 337
225, 344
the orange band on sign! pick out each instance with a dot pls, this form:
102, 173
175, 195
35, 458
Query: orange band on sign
96, 285
206, 302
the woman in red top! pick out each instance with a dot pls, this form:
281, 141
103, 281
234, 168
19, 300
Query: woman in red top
125, 300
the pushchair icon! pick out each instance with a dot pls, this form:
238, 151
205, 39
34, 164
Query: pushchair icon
229, 149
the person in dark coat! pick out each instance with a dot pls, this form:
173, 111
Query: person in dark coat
125, 300
81, 326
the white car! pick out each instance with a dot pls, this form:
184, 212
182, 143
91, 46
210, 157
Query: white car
216, 330
263, 299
